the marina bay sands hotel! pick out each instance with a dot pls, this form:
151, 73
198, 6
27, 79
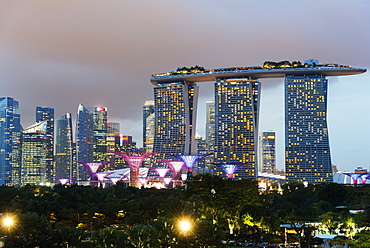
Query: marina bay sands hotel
237, 99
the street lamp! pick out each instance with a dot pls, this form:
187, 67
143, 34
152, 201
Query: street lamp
8, 221
185, 227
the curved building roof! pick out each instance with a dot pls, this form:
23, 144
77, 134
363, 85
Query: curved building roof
253, 72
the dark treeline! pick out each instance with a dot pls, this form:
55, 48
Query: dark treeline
221, 209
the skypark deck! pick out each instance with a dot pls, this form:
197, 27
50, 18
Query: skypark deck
208, 75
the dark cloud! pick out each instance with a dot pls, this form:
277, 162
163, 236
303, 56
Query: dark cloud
61, 53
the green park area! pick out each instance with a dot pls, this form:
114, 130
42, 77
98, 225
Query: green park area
207, 212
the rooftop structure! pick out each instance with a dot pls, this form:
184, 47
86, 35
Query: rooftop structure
267, 71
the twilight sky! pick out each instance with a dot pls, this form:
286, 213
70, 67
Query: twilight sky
102, 53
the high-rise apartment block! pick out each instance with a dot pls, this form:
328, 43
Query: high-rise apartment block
64, 152
236, 123
306, 130
266, 152
10, 142
47, 114
175, 115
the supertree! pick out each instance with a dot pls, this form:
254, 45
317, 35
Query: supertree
177, 168
230, 169
63, 181
356, 176
190, 161
134, 160
94, 167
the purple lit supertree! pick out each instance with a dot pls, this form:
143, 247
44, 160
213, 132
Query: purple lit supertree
356, 176
190, 161
230, 169
364, 177
134, 160
63, 181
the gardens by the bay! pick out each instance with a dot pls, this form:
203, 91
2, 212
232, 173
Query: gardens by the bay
207, 211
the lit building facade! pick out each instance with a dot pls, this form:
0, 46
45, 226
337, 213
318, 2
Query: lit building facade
99, 117
236, 123
10, 142
34, 155
65, 166
47, 114
84, 140
307, 151
175, 115
148, 125
266, 152
113, 131
210, 132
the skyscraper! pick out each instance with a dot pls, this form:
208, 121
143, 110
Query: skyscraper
175, 114
236, 123
35, 154
10, 142
113, 132
148, 125
266, 152
84, 140
64, 164
99, 118
306, 130
210, 133
47, 114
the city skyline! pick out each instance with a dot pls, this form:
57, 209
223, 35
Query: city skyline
104, 53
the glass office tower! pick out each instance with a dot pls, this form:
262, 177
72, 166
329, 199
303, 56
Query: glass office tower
35, 154
175, 115
47, 114
307, 152
10, 142
84, 140
64, 164
148, 125
100, 146
236, 124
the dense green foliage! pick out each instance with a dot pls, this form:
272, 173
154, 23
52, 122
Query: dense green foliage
219, 209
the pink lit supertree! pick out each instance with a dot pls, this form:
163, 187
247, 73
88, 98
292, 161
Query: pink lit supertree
176, 168
102, 175
230, 169
160, 171
63, 181
134, 160
190, 161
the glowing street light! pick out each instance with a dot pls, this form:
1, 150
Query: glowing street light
8, 222
185, 226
